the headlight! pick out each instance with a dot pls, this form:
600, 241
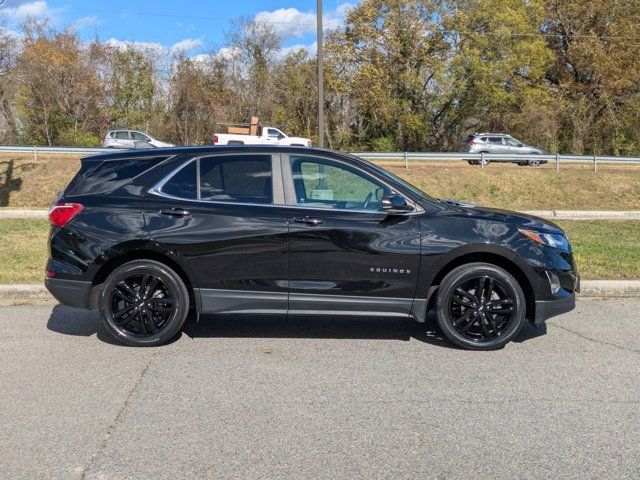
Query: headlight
555, 240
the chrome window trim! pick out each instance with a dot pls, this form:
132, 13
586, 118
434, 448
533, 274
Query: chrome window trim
283, 170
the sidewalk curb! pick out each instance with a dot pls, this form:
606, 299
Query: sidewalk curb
586, 214
33, 294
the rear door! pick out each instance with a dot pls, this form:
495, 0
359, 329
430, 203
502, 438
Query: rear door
345, 253
122, 139
224, 217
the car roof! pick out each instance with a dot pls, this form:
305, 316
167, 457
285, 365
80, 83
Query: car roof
173, 151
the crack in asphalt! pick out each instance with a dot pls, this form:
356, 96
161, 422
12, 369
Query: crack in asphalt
593, 340
112, 426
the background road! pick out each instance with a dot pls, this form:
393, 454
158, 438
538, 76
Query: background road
319, 398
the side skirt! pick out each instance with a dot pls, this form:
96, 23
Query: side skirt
243, 301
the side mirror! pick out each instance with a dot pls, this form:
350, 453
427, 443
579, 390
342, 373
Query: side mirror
395, 204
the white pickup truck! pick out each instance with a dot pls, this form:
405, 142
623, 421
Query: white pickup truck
266, 136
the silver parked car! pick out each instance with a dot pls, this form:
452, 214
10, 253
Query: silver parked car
131, 139
501, 143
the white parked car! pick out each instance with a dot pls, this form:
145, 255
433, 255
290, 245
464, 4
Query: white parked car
267, 136
131, 139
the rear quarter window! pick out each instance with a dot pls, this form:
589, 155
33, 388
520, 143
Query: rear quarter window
109, 174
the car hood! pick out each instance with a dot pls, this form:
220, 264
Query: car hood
519, 219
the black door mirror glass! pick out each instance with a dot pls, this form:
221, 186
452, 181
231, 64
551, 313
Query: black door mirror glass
395, 203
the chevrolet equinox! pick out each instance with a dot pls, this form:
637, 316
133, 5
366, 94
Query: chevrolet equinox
148, 236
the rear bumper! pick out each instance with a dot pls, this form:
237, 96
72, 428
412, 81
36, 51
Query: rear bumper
73, 293
546, 309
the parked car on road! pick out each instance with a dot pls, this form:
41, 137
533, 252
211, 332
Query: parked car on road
131, 139
501, 143
146, 237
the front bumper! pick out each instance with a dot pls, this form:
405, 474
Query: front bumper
546, 309
73, 293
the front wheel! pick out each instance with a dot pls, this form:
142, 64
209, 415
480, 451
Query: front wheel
480, 306
144, 303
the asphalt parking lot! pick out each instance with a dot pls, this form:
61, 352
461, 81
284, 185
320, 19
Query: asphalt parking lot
307, 397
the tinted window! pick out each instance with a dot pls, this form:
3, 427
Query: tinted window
511, 142
183, 183
109, 175
122, 135
497, 140
244, 179
327, 184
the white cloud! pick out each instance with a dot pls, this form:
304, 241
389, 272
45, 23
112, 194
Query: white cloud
148, 47
187, 45
183, 46
312, 49
25, 10
292, 23
86, 22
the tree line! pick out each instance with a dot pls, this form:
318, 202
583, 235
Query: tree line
402, 75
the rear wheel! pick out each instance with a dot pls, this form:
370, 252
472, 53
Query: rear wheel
144, 303
480, 306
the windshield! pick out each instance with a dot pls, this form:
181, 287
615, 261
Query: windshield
396, 179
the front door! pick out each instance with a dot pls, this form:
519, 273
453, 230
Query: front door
346, 254
224, 217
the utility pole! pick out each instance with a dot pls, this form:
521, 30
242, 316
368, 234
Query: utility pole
320, 78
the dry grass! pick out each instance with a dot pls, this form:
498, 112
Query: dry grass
28, 183
574, 187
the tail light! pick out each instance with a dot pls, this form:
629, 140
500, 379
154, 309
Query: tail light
470, 142
63, 213
215, 139
103, 139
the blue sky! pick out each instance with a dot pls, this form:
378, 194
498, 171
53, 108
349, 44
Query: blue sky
193, 26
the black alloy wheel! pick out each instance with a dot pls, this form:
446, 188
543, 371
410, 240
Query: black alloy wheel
144, 303
480, 306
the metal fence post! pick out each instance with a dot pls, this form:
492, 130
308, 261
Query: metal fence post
481, 159
35, 153
406, 161
557, 162
595, 163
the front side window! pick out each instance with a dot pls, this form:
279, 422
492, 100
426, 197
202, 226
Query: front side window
327, 184
122, 135
233, 179
495, 140
512, 142
139, 136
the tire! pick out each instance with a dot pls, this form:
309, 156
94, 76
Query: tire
144, 319
472, 162
534, 163
476, 323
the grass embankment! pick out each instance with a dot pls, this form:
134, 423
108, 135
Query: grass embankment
26, 183
603, 249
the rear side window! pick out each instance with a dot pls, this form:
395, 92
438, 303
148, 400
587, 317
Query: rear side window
122, 135
496, 140
233, 179
109, 175
242, 179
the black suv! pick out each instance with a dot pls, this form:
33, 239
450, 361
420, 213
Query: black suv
148, 236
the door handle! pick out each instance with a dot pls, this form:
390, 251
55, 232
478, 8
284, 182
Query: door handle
308, 220
175, 212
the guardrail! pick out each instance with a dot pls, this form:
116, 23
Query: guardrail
481, 158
